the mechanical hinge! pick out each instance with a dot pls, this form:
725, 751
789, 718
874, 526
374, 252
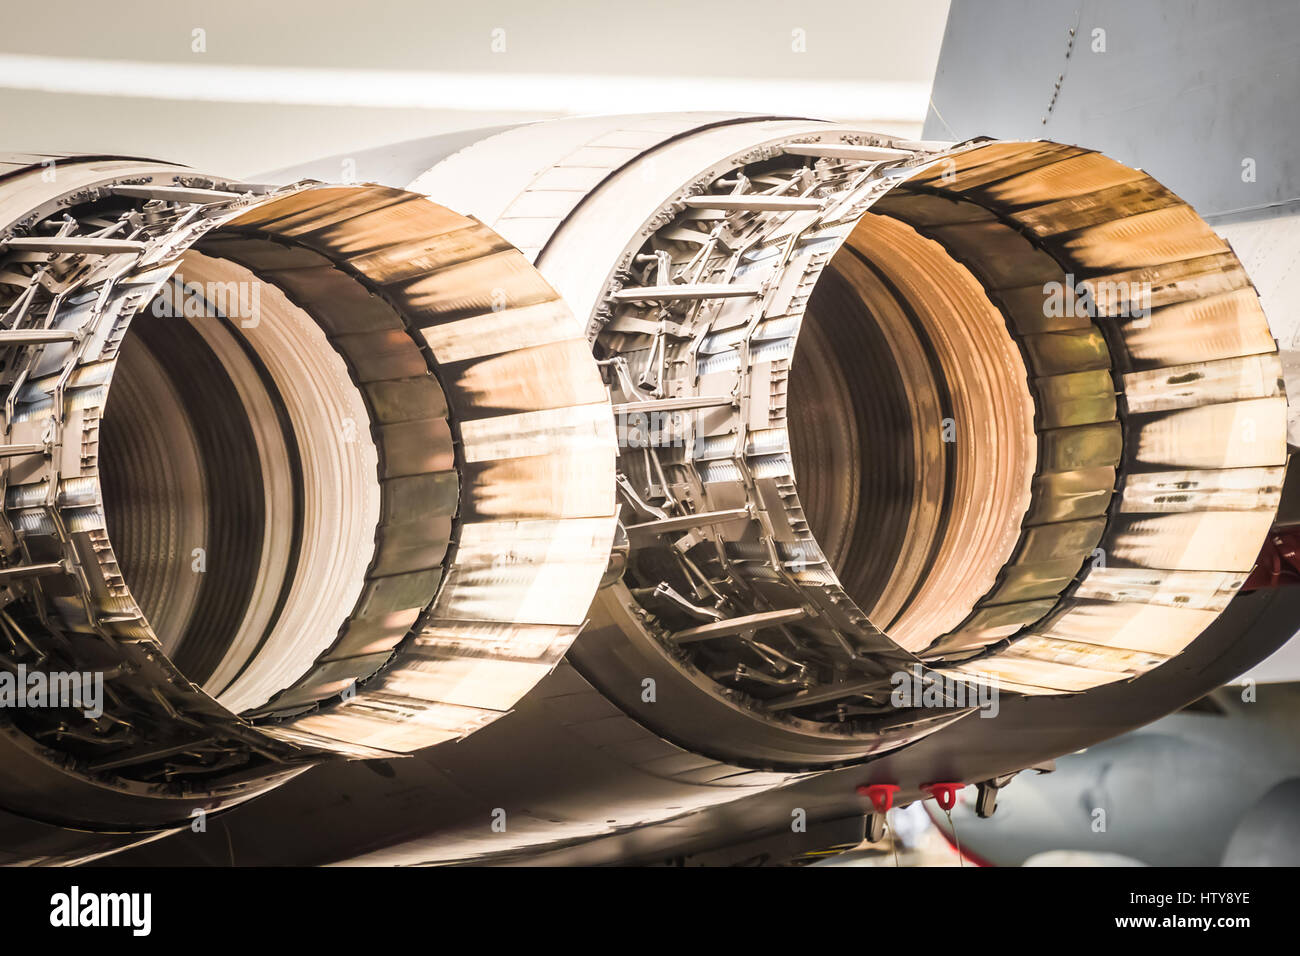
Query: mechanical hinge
986, 798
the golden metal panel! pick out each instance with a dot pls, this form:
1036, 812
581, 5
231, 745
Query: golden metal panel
1149, 238
1092, 656
1045, 674
324, 291
992, 162
1203, 391
397, 725
568, 484
494, 332
1231, 435
527, 379
1192, 541
379, 238
309, 210
382, 355
491, 639
1074, 350
1071, 178
478, 286
480, 683
1149, 628
1036, 580
369, 237
301, 737
1200, 330
1201, 590
575, 429
1076, 398
1223, 489
974, 675
997, 254
1026, 309
925, 209
472, 296
1204, 383
1081, 447
1055, 542
423, 254
1080, 212
1172, 282
416, 447
532, 572
1066, 495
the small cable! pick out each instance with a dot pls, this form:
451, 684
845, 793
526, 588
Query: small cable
956, 840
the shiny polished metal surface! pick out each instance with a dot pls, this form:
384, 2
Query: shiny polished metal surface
840, 532
771, 410
352, 494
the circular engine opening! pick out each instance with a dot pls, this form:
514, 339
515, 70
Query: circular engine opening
240, 480
911, 430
